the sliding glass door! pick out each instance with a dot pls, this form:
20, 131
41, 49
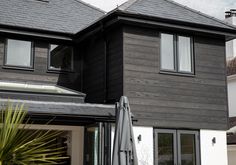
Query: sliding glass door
176, 147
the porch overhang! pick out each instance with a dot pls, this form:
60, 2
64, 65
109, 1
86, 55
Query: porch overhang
65, 112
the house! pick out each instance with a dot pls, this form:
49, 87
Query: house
231, 71
70, 62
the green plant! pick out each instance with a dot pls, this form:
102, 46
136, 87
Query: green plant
19, 146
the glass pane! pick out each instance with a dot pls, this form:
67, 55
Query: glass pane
165, 149
18, 53
184, 54
61, 57
92, 146
167, 51
188, 150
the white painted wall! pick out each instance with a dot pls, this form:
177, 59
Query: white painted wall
145, 146
231, 45
232, 95
231, 154
213, 154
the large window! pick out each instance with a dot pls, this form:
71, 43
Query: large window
176, 147
18, 53
176, 53
60, 57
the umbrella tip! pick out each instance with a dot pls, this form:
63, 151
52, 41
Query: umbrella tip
125, 99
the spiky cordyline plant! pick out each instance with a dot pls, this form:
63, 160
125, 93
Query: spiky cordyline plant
18, 146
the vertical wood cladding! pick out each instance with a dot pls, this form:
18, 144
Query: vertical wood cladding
40, 74
115, 65
163, 100
93, 69
102, 68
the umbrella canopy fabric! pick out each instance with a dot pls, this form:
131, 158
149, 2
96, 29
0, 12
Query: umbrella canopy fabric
124, 150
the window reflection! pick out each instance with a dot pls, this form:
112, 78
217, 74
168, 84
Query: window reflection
18, 53
188, 149
60, 57
165, 149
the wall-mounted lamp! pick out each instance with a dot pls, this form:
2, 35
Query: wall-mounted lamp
213, 140
139, 138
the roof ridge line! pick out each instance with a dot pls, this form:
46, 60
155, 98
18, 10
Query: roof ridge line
201, 13
90, 6
126, 4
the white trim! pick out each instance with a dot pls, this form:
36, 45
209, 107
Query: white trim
58, 103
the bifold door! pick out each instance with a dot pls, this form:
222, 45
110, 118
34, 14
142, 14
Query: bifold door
97, 139
176, 147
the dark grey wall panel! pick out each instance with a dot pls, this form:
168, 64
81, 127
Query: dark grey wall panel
103, 67
93, 69
115, 65
170, 101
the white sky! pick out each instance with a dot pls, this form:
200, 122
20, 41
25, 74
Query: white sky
214, 8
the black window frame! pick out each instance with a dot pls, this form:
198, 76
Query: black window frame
176, 56
19, 67
177, 144
57, 70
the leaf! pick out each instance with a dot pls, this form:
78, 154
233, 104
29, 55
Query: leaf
21, 146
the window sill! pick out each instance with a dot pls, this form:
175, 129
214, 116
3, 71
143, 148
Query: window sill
59, 71
177, 73
18, 68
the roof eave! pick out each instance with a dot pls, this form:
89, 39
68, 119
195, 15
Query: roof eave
35, 32
126, 17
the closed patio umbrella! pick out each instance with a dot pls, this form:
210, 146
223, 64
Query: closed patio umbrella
124, 150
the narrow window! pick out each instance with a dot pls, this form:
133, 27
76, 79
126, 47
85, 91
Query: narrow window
60, 57
184, 54
167, 52
166, 147
19, 53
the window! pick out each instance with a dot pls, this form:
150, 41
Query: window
60, 57
176, 147
176, 53
18, 53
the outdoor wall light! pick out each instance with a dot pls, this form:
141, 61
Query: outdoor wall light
139, 138
214, 140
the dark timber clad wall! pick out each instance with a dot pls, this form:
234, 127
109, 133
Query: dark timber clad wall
115, 65
95, 72
40, 75
162, 100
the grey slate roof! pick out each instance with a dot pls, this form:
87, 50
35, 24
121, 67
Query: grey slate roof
66, 16
63, 108
167, 9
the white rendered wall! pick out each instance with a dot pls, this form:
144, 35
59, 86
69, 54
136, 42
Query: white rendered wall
231, 45
213, 154
145, 146
232, 95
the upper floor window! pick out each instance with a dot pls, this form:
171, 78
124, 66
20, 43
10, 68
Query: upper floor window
60, 57
176, 53
18, 53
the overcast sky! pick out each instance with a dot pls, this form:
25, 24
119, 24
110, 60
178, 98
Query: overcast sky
214, 8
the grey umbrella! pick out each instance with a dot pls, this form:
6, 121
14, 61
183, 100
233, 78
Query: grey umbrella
124, 150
